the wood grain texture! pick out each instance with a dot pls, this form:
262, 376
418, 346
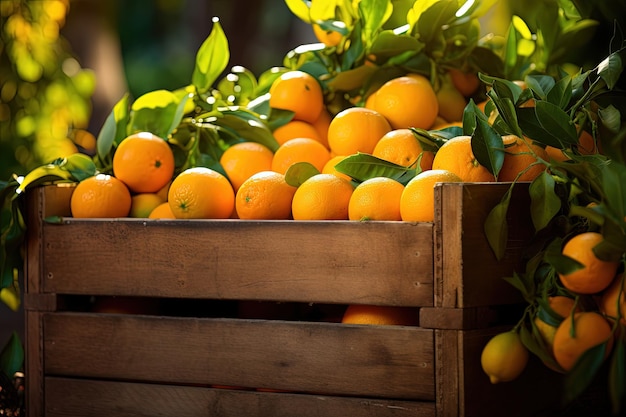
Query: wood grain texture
325, 262
381, 361
88, 398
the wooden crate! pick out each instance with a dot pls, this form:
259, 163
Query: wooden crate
197, 359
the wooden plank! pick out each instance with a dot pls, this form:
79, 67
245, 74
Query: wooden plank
447, 374
91, 398
317, 261
457, 318
381, 361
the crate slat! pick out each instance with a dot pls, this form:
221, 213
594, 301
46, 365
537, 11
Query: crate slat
383, 361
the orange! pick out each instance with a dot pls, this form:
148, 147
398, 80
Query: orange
265, 196
614, 299
356, 129
596, 274
144, 162
401, 147
451, 102
299, 92
163, 191
100, 196
329, 168
296, 129
417, 203
201, 193
563, 307
586, 146
589, 329
408, 101
300, 150
242, 160
329, 38
321, 125
442, 124
457, 157
519, 155
466, 82
143, 204
322, 197
162, 211
376, 199
380, 315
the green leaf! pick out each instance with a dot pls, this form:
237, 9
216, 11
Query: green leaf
80, 166
496, 227
364, 166
540, 84
388, 44
617, 373
507, 110
374, 14
561, 93
247, 126
532, 128
544, 203
211, 59
610, 69
487, 146
583, 372
157, 112
114, 128
300, 172
12, 356
554, 120
471, 114
351, 79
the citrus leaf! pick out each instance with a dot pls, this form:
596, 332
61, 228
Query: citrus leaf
12, 356
300, 172
374, 13
532, 128
540, 84
583, 372
495, 226
470, 115
388, 44
610, 69
362, 166
553, 119
520, 283
211, 59
506, 110
114, 128
544, 203
487, 146
80, 166
561, 93
248, 127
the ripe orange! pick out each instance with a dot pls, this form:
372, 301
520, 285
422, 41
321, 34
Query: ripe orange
417, 203
466, 82
596, 274
265, 196
520, 154
457, 157
321, 125
590, 329
322, 197
451, 102
376, 199
298, 92
144, 162
296, 129
201, 193
327, 37
562, 306
300, 150
100, 196
162, 211
408, 101
329, 168
356, 129
142, 204
614, 299
586, 146
401, 147
380, 315
242, 160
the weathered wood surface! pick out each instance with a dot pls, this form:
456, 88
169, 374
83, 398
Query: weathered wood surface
379, 361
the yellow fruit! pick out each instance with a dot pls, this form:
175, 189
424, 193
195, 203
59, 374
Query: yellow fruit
417, 203
162, 211
100, 196
201, 193
356, 129
504, 357
376, 199
406, 102
456, 156
596, 274
300, 150
322, 197
144, 162
590, 329
143, 204
265, 196
298, 92
241, 160
401, 147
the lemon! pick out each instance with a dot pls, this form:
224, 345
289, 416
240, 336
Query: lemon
504, 357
